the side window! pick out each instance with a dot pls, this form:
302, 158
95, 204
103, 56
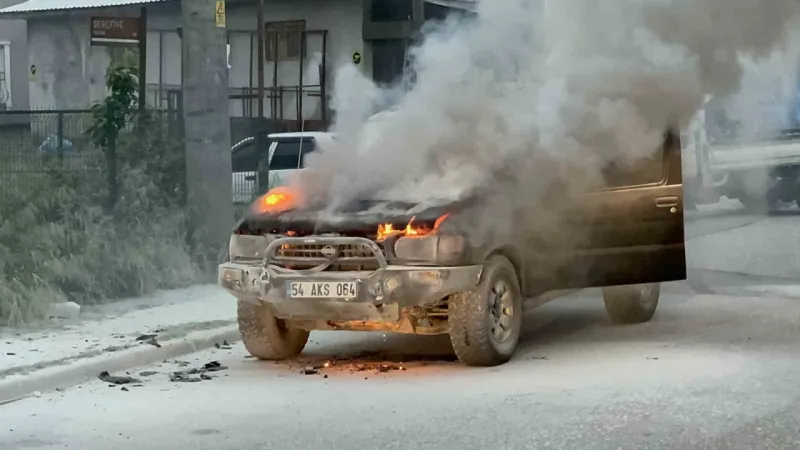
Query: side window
643, 171
291, 154
647, 170
245, 158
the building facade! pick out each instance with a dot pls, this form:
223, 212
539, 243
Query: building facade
13, 61
305, 40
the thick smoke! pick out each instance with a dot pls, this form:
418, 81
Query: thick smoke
766, 104
528, 95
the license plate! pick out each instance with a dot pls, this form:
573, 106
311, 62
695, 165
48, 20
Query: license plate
322, 289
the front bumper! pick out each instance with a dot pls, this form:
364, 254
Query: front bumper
382, 294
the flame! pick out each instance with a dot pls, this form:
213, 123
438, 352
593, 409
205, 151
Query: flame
387, 230
440, 220
276, 200
410, 230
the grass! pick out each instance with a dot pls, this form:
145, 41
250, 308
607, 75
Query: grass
59, 240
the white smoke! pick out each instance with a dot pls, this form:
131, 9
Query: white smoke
534, 97
767, 101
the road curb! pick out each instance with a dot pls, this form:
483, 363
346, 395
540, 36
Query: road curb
16, 387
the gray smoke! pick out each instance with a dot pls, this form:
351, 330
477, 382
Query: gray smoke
519, 100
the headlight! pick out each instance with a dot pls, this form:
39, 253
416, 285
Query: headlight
435, 248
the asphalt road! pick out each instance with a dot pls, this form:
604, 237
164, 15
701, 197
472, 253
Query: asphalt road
707, 372
710, 371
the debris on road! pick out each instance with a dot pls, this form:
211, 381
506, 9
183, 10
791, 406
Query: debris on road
383, 368
117, 380
377, 367
214, 366
147, 373
185, 376
224, 346
149, 339
115, 348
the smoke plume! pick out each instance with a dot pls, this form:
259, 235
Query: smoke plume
528, 94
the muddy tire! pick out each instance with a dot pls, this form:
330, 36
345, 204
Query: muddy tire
266, 337
631, 304
485, 322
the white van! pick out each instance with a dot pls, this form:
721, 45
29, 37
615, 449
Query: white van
287, 153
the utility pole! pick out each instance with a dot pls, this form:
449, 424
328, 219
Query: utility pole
207, 131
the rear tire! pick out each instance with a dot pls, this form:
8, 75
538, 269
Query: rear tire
631, 304
267, 337
485, 322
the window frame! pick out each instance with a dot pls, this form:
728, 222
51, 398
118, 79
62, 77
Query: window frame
281, 31
6, 45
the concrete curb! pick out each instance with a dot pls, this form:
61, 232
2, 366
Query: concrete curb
16, 387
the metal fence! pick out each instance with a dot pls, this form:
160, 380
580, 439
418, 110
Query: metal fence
34, 143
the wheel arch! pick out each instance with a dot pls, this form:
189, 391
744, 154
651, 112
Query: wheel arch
515, 256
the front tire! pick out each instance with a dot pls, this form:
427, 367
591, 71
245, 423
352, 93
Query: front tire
631, 304
485, 322
267, 337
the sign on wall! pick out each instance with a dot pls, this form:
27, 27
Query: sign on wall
219, 14
115, 30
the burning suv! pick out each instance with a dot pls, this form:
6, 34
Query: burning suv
393, 267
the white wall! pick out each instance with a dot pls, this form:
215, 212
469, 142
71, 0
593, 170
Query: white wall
343, 20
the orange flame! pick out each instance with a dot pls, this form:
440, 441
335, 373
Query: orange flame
276, 200
387, 230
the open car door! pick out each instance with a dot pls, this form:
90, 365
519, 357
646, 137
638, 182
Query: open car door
633, 226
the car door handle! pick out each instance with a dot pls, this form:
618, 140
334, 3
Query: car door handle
666, 202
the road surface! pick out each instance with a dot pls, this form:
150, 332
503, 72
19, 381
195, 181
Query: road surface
710, 371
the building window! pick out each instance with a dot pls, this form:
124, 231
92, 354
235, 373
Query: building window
123, 55
284, 40
391, 10
5, 75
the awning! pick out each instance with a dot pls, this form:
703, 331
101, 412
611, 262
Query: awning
56, 5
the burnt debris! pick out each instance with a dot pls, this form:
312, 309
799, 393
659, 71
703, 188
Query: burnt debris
116, 380
188, 376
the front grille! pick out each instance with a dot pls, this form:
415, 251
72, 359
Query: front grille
305, 256
315, 251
